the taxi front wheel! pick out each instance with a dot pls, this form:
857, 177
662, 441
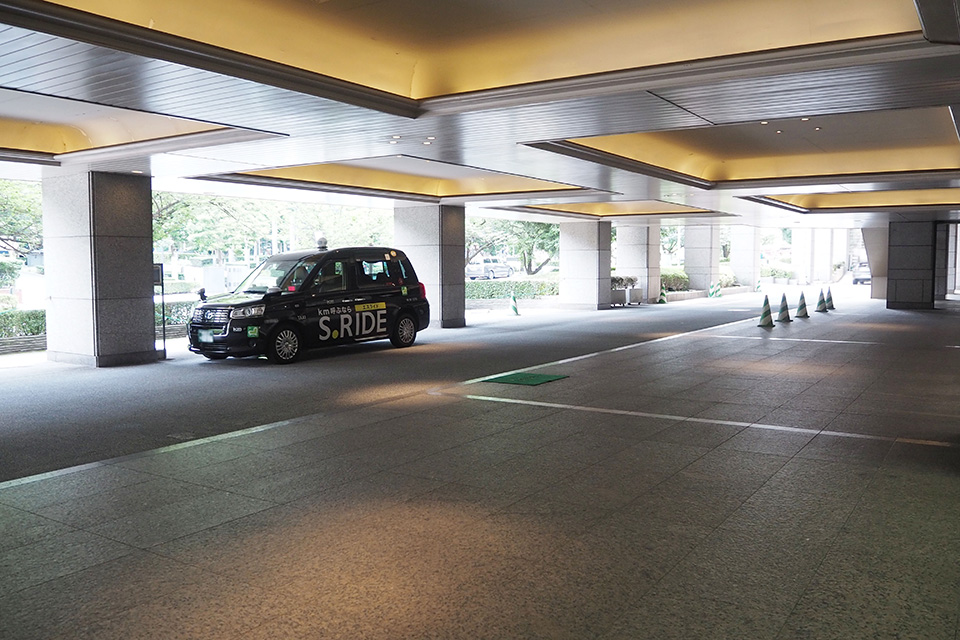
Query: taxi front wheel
404, 331
285, 345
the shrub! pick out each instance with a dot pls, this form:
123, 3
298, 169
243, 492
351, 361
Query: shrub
675, 279
7, 302
490, 289
622, 282
728, 278
180, 286
16, 324
9, 270
177, 312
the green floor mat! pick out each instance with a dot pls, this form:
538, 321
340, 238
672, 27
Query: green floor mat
526, 378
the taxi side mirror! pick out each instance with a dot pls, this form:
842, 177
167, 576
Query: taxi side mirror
203, 294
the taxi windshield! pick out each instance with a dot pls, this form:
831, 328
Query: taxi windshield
274, 272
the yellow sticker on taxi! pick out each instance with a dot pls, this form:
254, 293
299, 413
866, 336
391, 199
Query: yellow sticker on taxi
371, 306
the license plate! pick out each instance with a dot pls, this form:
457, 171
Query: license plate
206, 335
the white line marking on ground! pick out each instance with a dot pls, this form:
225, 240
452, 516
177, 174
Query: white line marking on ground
795, 340
748, 425
598, 353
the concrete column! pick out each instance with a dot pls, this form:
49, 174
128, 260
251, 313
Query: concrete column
910, 271
952, 258
98, 262
638, 254
940, 263
701, 255
433, 237
876, 242
745, 254
801, 255
585, 264
822, 260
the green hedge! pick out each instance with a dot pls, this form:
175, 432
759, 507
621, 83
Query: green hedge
7, 302
16, 324
180, 286
490, 289
177, 312
675, 279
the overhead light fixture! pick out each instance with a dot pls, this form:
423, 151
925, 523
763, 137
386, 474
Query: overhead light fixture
804, 119
427, 142
395, 137
779, 131
764, 122
393, 142
431, 137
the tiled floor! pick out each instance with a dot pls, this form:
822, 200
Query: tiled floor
799, 482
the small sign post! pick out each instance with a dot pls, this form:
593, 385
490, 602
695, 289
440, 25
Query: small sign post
158, 282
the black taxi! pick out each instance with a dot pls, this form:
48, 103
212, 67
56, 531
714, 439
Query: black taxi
304, 299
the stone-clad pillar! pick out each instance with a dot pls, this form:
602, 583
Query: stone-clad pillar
638, 254
585, 264
745, 254
433, 236
911, 265
701, 255
98, 265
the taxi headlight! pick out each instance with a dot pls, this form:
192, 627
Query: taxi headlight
247, 312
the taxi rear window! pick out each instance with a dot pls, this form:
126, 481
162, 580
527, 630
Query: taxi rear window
373, 273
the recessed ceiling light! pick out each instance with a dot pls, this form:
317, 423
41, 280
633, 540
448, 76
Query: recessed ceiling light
393, 142
426, 142
431, 137
804, 119
135, 171
779, 131
764, 122
816, 128
395, 137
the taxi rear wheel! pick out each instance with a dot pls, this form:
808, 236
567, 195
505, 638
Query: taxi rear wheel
404, 331
285, 345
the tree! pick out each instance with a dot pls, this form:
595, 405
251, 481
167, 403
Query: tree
534, 243
21, 216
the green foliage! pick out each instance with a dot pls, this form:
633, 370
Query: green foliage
675, 279
180, 286
9, 270
728, 278
20, 216
534, 243
16, 324
622, 282
177, 312
489, 289
213, 226
671, 239
7, 302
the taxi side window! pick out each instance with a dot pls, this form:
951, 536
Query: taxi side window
375, 273
331, 278
297, 276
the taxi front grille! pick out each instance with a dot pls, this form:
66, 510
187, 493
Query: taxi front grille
211, 316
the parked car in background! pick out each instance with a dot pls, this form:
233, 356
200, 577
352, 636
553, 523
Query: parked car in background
861, 274
489, 268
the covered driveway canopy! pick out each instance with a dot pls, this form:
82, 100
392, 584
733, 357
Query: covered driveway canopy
764, 113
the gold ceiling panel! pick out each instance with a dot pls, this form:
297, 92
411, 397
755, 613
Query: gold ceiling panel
902, 140
424, 48
610, 209
443, 184
873, 199
40, 137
